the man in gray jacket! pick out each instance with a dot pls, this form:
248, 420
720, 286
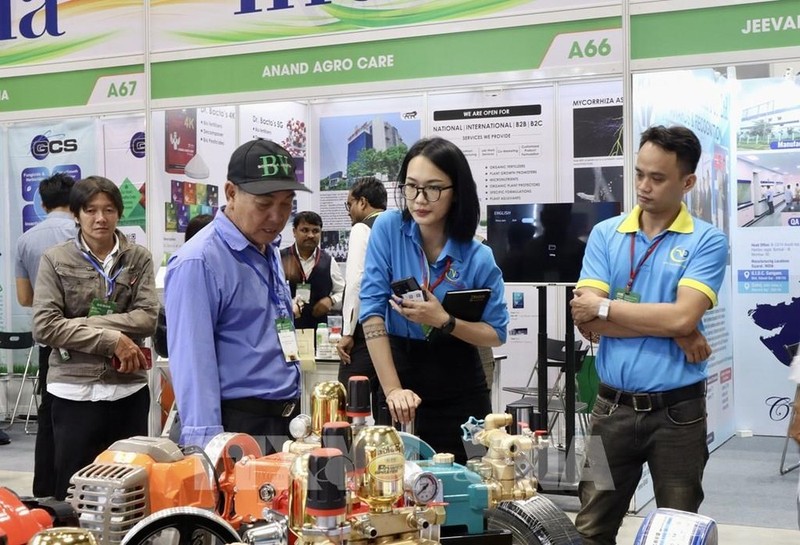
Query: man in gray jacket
95, 303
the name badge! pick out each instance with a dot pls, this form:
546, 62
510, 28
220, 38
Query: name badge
304, 292
287, 340
100, 307
632, 297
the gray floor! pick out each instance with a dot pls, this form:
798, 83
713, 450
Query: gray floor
745, 493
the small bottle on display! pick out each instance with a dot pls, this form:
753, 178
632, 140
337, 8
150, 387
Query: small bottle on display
322, 341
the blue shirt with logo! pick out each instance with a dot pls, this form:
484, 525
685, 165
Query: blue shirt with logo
691, 253
395, 252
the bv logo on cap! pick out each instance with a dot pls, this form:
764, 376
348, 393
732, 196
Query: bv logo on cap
262, 166
271, 164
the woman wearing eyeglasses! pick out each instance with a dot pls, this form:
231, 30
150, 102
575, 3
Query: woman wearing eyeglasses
433, 378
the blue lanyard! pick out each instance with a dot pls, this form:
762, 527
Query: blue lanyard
276, 284
111, 281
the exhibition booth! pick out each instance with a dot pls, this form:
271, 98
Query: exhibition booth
545, 97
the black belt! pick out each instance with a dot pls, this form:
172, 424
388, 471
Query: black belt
261, 407
645, 402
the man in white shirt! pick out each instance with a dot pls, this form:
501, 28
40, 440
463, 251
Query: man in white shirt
367, 199
315, 279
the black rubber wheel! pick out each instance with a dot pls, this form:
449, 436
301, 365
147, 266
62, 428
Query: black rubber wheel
536, 521
182, 526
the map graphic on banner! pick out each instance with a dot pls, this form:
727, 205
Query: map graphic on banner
766, 262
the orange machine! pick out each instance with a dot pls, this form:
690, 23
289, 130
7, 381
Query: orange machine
136, 477
21, 519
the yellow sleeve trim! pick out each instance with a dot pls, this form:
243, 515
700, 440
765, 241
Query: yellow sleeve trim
591, 283
702, 288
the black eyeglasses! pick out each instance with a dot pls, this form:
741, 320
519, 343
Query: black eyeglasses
431, 193
348, 204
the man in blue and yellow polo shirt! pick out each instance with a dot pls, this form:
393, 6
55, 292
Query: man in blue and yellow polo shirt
646, 282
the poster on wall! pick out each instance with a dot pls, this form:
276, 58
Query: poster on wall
766, 242
191, 148
590, 138
124, 163
287, 124
35, 152
508, 138
699, 100
355, 139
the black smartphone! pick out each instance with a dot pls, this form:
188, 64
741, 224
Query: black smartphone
408, 288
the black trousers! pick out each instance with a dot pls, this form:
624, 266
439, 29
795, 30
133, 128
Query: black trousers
84, 429
44, 455
447, 374
262, 419
361, 364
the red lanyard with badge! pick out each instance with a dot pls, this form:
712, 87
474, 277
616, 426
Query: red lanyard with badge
303, 289
426, 271
628, 294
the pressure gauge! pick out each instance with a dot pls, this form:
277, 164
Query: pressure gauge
425, 488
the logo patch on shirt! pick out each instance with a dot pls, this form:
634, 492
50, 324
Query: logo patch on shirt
678, 255
453, 275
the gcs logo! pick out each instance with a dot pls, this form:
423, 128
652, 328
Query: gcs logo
137, 145
42, 146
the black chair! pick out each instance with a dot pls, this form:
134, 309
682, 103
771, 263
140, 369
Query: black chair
19, 341
556, 358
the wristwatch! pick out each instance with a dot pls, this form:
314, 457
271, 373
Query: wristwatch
602, 311
448, 327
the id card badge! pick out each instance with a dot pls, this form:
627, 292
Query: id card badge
100, 307
288, 340
304, 292
632, 297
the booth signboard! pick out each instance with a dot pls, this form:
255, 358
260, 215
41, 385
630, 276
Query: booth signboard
244, 21
575, 44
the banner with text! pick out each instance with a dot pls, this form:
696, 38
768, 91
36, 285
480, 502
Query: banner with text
182, 24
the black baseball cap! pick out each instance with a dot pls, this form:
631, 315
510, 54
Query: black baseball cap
262, 166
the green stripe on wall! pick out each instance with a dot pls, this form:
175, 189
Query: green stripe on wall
712, 30
56, 90
477, 52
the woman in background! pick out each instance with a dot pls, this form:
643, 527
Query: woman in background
434, 378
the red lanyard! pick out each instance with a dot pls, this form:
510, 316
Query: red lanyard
646, 255
300, 263
447, 263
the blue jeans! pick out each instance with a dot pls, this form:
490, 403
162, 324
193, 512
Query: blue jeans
672, 440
